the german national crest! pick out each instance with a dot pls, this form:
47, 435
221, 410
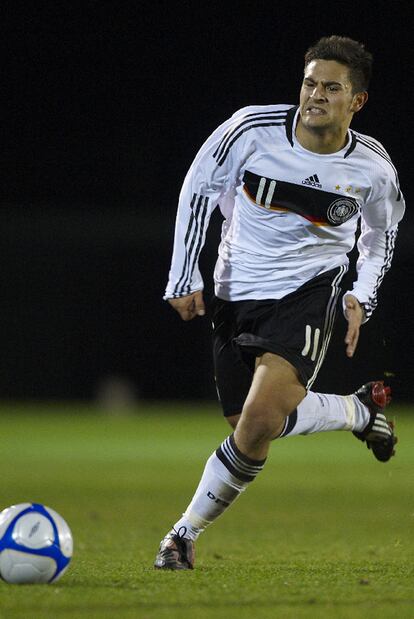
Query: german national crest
341, 210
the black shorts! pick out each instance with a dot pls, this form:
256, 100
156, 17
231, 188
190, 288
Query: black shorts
297, 328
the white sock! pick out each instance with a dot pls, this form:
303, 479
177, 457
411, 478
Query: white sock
226, 474
322, 412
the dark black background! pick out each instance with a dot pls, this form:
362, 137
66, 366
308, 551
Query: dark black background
104, 105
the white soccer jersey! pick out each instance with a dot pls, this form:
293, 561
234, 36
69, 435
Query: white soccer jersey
290, 214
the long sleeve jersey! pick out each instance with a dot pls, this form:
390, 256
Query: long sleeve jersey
289, 214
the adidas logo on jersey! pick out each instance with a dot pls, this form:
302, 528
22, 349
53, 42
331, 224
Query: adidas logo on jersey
313, 181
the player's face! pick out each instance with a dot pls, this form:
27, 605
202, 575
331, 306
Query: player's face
326, 99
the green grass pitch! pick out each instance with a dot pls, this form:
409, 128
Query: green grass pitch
325, 531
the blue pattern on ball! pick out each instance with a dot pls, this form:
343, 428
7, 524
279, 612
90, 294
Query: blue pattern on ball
54, 551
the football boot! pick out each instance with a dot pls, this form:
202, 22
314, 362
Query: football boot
175, 553
379, 432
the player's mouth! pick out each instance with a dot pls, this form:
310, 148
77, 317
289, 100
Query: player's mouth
315, 111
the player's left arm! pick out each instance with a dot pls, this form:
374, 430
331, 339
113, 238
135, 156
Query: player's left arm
379, 225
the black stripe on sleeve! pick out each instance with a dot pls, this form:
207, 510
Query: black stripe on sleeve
187, 235
374, 145
382, 153
226, 152
289, 123
199, 243
189, 248
245, 120
390, 238
375, 148
379, 150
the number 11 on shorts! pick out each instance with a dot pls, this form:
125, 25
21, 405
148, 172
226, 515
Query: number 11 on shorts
308, 342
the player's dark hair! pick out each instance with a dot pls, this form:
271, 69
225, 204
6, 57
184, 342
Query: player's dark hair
349, 53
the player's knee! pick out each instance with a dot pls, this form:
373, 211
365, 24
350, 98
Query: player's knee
262, 421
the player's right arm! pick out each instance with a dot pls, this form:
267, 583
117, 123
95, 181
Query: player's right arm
208, 180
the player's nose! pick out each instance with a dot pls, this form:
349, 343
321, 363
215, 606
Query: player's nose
318, 93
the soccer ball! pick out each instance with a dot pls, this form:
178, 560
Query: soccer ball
36, 544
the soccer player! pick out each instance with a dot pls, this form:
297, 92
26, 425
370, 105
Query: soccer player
292, 182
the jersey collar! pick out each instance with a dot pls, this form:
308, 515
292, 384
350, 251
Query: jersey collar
292, 119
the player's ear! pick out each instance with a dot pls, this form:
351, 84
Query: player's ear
358, 101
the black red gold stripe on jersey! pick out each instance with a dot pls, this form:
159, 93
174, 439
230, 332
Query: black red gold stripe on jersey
322, 208
247, 122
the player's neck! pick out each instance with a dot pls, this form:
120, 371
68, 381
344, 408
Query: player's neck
321, 142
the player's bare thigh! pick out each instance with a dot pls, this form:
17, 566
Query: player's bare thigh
275, 392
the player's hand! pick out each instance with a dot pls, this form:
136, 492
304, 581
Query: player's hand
190, 306
355, 315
